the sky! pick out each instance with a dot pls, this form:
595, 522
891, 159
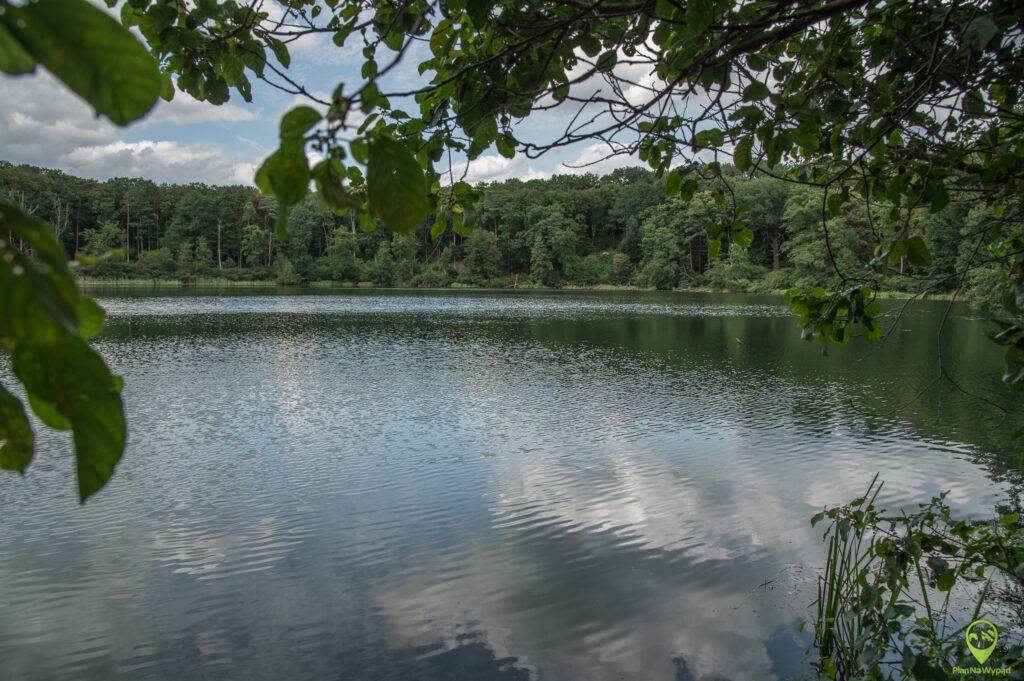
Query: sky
44, 124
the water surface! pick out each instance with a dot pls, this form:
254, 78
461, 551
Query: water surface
478, 486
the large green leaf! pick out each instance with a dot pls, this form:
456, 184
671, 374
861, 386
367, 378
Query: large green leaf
16, 437
37, 294
72, 377
742, 157
395, 186
298, 121
13, 57
90, 52
287, 172
917, 252
699, 15
43, 319
755, 91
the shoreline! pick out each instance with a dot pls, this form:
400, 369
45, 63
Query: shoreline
206, 283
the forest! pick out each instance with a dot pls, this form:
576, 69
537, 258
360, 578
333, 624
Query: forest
621, 229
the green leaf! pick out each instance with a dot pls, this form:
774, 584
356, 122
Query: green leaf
360, 150
329, 185
945, 579
940, 197
606, 62
48, 413
296, 122
91, 53
672, 183
981, 30
757, 61
16, 438
714, 246
42, 300
917, 252
281, 225
835, 203
395, 185
688, 189
590, 44
13, 57
287, 172
166, 87
366, 222
71, 376
712, 138
280, 51
261, 180
506, 145
90, 317
743, 237
439, 226
699, 15
478, 11
370, 98
742, 157
755, 92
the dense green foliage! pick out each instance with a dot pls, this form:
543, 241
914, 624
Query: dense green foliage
578, 230
890, 600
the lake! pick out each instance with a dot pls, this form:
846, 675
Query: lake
478, 485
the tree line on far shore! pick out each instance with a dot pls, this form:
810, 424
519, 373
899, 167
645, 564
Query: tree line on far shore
569, 230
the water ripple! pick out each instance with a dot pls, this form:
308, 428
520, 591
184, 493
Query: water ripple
480, 486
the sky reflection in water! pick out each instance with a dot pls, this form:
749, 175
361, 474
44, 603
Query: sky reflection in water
474, 486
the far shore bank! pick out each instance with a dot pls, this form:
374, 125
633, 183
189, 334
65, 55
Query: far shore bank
201, 283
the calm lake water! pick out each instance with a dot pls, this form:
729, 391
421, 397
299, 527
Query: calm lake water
477, 486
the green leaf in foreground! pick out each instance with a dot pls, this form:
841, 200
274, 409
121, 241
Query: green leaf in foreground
395, 186
43, 323
16, 436
298, 121
71, 376
13, 57
287, 172
917, 252
742, 157
90, 52
755, 91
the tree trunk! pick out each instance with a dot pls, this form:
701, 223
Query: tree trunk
127, 232
218, 245
776, 250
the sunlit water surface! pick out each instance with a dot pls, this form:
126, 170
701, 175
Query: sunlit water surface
477, 486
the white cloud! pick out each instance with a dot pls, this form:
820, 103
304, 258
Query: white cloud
38, 117
597, 159
495, 168
42, 123
184, 110
163, 161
